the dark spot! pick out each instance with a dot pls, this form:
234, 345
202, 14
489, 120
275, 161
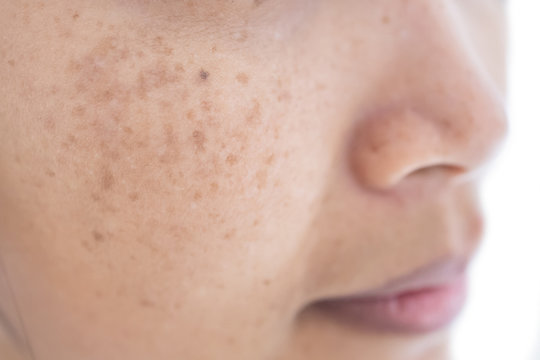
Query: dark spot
242, 78
95, 197
190, 115
107, 179
49, 124
199, 139
230, 234
270, 159
178, 67
261, 177
78, 111
50, 173
98, 294
133, 196
214, 187
146, 303
257, 3
254, 113
206, 105
11, 62
98, 237
231, 159
267, 282
203, 74
284, 96
197, 196
75, 16
385, 20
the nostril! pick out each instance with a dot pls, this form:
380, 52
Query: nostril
440, 170
431, 179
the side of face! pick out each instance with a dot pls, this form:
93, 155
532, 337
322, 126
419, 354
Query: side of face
182, 179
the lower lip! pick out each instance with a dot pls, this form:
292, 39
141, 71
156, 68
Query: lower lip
423, 310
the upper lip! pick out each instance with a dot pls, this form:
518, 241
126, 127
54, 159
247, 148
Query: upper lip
433, 275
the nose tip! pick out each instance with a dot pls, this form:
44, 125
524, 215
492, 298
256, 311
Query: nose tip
393, 146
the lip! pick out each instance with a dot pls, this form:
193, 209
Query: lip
426, 300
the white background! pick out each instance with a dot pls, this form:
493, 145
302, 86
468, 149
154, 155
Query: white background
502, 320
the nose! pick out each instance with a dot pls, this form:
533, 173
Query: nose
436, 111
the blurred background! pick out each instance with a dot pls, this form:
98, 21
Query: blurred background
502, 320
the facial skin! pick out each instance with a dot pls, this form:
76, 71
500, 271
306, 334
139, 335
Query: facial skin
184, 179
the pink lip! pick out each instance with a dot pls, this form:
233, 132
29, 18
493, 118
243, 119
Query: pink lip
424, 301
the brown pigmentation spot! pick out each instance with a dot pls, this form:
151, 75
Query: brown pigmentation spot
203, 74
50, 173
231, 159
98, 237
199, 139
107, 179
242, 78
254, 113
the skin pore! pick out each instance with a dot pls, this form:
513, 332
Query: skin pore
184, 179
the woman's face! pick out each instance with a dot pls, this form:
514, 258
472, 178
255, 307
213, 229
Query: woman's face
192, 179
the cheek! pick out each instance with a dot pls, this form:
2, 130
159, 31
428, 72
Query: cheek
139, 144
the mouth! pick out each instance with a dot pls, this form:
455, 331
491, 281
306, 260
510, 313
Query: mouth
426, 300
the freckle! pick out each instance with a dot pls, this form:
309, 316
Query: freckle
71, 139
197, 196
231, 159
146, 303
95, 197
75, 16
127, 130
214, 49
206, 105
86, 245
270, 160
242, 78
78, 111
11, 62
256, 222
267, 282
178, 67
97, 236
385, 19
134, 196
199, 139
230, 234
17, 159
107, 179
261, 176
50, 124
255, 112
50, 173
203, 74
190, 115
214, 187
284, 96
